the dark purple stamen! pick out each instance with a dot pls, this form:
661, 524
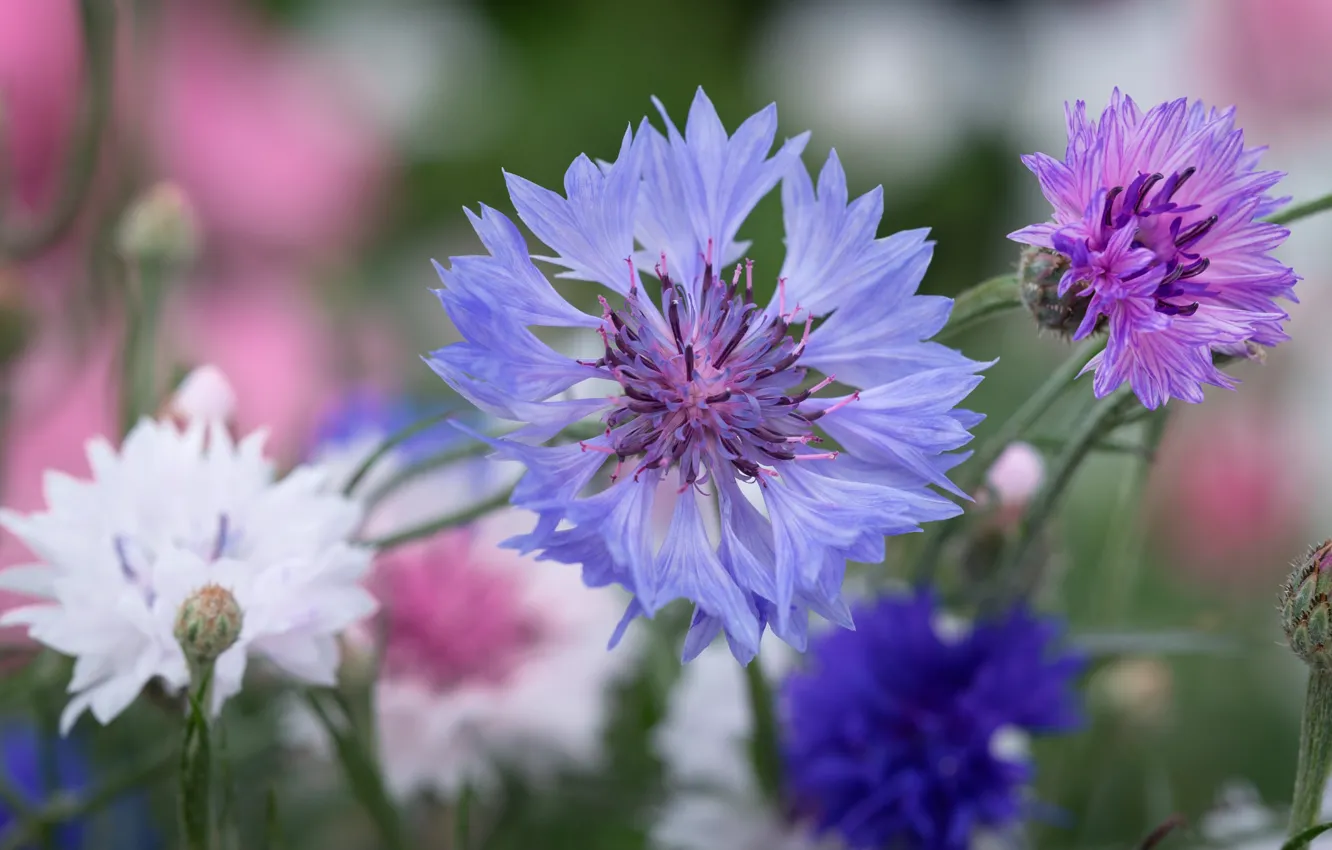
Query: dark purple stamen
1195, 232
1110, 205
712, 394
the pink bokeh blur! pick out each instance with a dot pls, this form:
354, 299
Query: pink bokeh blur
1228, 496
284, 174
452, 618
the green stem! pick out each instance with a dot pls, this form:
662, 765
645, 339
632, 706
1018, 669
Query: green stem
1299, 211
763, 745
1315, 758
987, 298
391, 442
362, 772
461, 817
196, 764
1102, 419
970, 477
425, 465
435, 526
139, 390
22, 240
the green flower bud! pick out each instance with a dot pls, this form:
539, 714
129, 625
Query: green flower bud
208, 623
160, 227
1305, 614
1039, 273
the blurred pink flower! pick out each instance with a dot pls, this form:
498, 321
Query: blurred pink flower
1011, 482
261, 137
451, 620
1270, 56
268, 337
1228, 497
488, 659
40, 76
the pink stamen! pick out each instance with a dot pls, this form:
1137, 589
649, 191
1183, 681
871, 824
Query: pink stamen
749, 280
781, 297
633, 276
735, 278
821, 384
820, 456
804, 338
855, 396
605, 450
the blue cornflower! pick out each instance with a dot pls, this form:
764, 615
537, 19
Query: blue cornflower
1158, 219
366, 412
21, 761
908, 732
701, 390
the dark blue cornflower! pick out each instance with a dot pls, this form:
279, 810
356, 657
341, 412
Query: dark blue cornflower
908, 732
1158, 217
21, 753
781, 448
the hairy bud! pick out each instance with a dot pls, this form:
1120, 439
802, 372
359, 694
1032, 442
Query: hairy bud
1305, 614
208, 623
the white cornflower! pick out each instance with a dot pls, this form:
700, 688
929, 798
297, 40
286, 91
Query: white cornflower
174, 511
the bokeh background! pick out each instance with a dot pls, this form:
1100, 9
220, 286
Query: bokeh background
328, 146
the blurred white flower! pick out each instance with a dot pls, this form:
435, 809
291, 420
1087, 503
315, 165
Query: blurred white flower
704, 743
420, 66
173, 511
898, 84
1240, 820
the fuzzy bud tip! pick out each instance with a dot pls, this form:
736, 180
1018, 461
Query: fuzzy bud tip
1305, 614
208, 623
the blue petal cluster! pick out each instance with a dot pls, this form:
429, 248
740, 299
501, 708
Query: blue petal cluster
894, 736
21, 761
781, 440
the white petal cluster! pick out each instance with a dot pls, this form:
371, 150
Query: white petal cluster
173, 510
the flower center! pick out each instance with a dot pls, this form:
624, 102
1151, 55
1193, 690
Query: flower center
1160, 229
451, 618
707, 383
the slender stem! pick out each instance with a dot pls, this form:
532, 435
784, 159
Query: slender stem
1315, 758
1304, 210
21, 240
139, 389
1016, 425
763, 746
423, 466
196, 764
434, 526
362, 773
980, 302
391, 442
461, 818
1102, 418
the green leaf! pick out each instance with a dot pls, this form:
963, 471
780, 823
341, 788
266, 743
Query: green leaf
1306, 836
